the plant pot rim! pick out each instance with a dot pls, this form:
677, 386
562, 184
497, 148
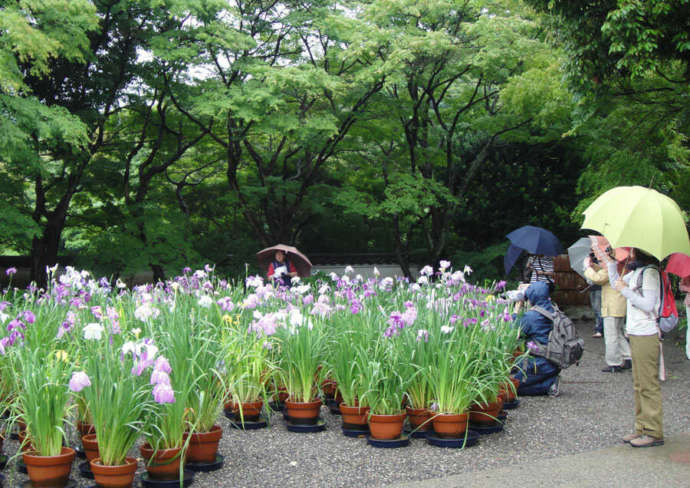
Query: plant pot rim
215, 428
389, 415
448, 414
64, 452
353, 407
317, 400
170, 451
128, 462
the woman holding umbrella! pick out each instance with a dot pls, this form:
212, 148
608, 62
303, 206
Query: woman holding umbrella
643, 219
640, 287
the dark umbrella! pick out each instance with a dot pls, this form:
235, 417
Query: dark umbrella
511, 257
536, 240
301, 262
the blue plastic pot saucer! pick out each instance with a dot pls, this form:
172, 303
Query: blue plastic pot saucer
319, 426
417, 434
85, 470
402, 441
489, 428
355, 430
206, 467
511, 405
232, 416
3, 461
148, 482
470, 440
28, 484
247, 425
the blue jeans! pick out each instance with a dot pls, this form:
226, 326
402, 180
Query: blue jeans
536, 375
595, 302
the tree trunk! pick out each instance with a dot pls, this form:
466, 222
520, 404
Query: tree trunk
44, 250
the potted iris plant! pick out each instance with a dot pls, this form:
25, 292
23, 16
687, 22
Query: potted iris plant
115, 386
302, 345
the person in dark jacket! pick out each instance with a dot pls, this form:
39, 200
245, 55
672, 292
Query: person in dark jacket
537, 375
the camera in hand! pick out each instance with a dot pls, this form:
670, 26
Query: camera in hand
593, 258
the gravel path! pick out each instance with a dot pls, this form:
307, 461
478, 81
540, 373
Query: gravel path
594, 410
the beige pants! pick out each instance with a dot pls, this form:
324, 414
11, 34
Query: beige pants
617, 347
687, 332
645, 360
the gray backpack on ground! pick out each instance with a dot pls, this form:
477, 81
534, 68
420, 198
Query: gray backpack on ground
564, 347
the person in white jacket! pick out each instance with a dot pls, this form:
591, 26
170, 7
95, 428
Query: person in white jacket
640, 287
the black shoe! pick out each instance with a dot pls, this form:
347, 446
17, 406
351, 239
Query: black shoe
627, 364
612, 369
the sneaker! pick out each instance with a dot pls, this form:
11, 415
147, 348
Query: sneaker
630, 437
554, 391
627, 364
612, 369
597, 334
646, 441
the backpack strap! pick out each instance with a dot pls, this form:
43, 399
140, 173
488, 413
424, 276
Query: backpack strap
543, 311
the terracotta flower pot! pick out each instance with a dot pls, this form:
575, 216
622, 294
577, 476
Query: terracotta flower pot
250, 410
49, 470
21, 436
486, 413
84, 428
329, 387
509, 394
121, 476
164, 465
386, 426
304, 413
417, 417
90, 444
451, 425
203, 446
354, 416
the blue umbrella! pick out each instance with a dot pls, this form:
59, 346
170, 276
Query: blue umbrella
511, 257
536, 240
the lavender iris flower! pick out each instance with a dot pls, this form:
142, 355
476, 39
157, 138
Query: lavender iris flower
79, 381
163, 393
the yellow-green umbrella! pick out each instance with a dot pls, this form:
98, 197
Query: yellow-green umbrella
639, 217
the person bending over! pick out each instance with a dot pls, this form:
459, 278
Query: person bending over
537, 375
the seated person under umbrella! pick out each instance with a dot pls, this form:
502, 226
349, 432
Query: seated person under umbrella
281, 270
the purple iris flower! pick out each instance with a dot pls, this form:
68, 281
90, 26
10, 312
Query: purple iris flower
97, 312
10, 271
15, 324
355, 306
159, 377
29, 316
79, 381
163, 393
162, 364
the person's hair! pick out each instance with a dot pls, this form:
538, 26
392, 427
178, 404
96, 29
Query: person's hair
645, 259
